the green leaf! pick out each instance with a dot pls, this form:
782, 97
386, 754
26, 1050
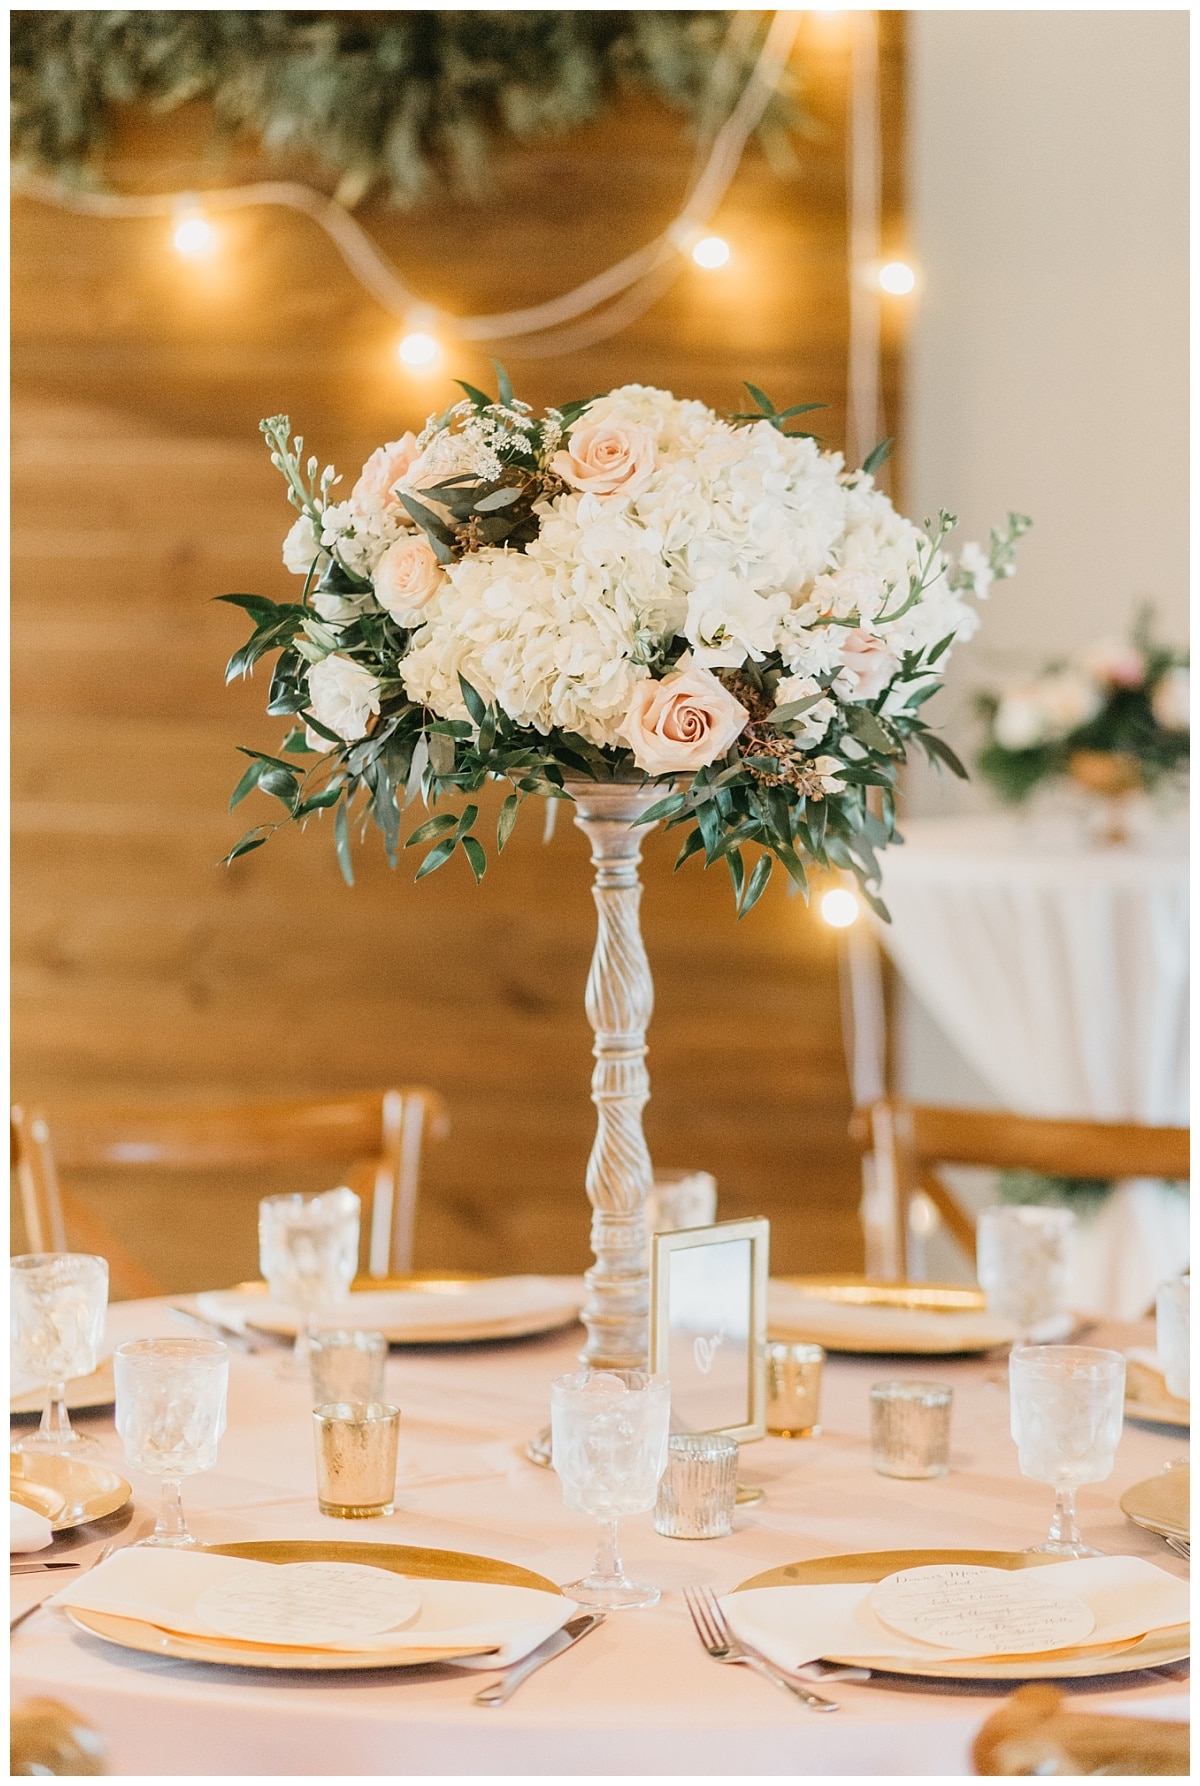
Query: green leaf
441, 852
504, 385
473, 699
466, 820
692, 844
758, 882
246, 785
476, 857
320, 730
737, 873
867, 728
281, 783
441, 753
936, 749
877, 455
499, 499
341, 839
507, 819
761, 398
260, 606
434, 827
319, 801
251, 841
479, 398
662, 809
793, 709
440, 537
297, 743
794, 866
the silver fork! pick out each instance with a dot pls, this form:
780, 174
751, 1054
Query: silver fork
1181, 1546
712, 1628
38, 1604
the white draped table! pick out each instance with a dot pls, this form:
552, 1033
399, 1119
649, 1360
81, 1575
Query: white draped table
639, 1696
1059, 969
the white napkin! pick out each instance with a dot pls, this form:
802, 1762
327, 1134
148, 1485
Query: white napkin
793, 1626
161, 1587
397, 1311
27, 1530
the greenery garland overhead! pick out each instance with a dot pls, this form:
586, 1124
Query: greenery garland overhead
400, 101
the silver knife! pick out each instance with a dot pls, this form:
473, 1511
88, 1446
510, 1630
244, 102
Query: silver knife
545, 1652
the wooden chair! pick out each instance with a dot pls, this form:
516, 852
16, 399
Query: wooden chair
1032, 1733
906, 1143
48, 1737
372, 1140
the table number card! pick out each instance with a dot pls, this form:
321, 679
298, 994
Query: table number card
980, 1612
309, 1603
708, 1326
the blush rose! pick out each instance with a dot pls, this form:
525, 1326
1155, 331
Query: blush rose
683, 722
605, 458
407, 578
375, 489
872, 661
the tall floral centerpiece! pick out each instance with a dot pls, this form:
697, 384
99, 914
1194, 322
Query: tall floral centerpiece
634, 604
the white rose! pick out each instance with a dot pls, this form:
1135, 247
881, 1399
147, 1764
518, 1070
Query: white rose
1020, 720
375, 490
407, 578
301, 547
606, 457
344, 696
1171, 700
813, 723
683, 722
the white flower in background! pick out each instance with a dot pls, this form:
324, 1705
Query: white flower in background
1171, 700
301, 547
727, 622
973, 564
814, 722
606, 457
1069, 701
1114, 661
343, 696
407, 578
683, 722
1020, 721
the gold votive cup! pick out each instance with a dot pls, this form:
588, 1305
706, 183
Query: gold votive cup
910, 1429
794, 1389
356, 1458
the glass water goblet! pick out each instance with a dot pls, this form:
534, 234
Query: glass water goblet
609, 1434
1024, 1263
308, 1253
171, 1396
1068, 1406
57, 1312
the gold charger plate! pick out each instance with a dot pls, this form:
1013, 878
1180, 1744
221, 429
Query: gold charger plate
1148, 1398
865, 1315
1172, 1644
94, 1391
522, 1325
80, 1491
405, 1559
1162, 1504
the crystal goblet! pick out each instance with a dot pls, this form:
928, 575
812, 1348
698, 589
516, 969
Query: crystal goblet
609, 1434
308, 1253
171, 1396
1067, 1406
58, 1307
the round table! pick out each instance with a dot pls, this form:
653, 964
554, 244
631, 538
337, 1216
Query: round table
1059, 969
638, 1696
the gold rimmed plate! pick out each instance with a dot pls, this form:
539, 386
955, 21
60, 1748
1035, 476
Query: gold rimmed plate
555, 1306
83, 1393
67, 1491
1148, 1398
862, 1315
1162, 1504
404, 1559
1155, 1650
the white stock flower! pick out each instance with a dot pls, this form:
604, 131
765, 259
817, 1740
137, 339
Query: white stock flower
727, 622
301, 547
813, 723
973, 563
343, 697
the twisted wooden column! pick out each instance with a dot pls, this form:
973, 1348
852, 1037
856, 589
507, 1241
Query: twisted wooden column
620, 999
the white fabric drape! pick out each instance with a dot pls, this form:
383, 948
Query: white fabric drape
1060, 970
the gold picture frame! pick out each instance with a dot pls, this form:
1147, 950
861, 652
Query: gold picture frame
708, 1325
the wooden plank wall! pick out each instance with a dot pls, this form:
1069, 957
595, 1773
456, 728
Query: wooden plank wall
143, 968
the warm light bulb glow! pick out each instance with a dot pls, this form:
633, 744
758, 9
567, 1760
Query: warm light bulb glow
711, 252
839, 907
897, 277
418, 349
194, 237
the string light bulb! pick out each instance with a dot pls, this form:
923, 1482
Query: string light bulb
193, 236
897, 277
417, 350
711, 252
839, 908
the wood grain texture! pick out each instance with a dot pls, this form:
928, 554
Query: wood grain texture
142, 968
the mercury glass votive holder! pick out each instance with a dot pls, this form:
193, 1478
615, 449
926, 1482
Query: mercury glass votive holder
794, 1389
356, 1458
910, 1429
346, 1366
698, 1490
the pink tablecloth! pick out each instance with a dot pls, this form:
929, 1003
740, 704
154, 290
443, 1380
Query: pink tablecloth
639, 1696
